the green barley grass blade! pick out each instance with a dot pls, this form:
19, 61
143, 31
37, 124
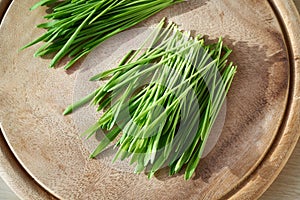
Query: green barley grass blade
106, 141
81, 102
175, 66
96, 18
106, 74
62, 52
42, 3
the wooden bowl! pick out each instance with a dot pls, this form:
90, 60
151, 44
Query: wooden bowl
43, 157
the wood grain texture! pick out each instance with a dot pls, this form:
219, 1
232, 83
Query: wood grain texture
287, 13
260, 104
287, 185
11, 171
6, 193
19, 181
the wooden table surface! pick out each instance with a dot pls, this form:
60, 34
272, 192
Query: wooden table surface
286, 186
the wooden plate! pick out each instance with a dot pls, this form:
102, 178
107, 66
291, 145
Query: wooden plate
44, 158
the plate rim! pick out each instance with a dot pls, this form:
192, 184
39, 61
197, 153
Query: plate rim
289, 133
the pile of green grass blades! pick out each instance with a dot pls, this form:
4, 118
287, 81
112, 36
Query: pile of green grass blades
162, 100
76, 27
